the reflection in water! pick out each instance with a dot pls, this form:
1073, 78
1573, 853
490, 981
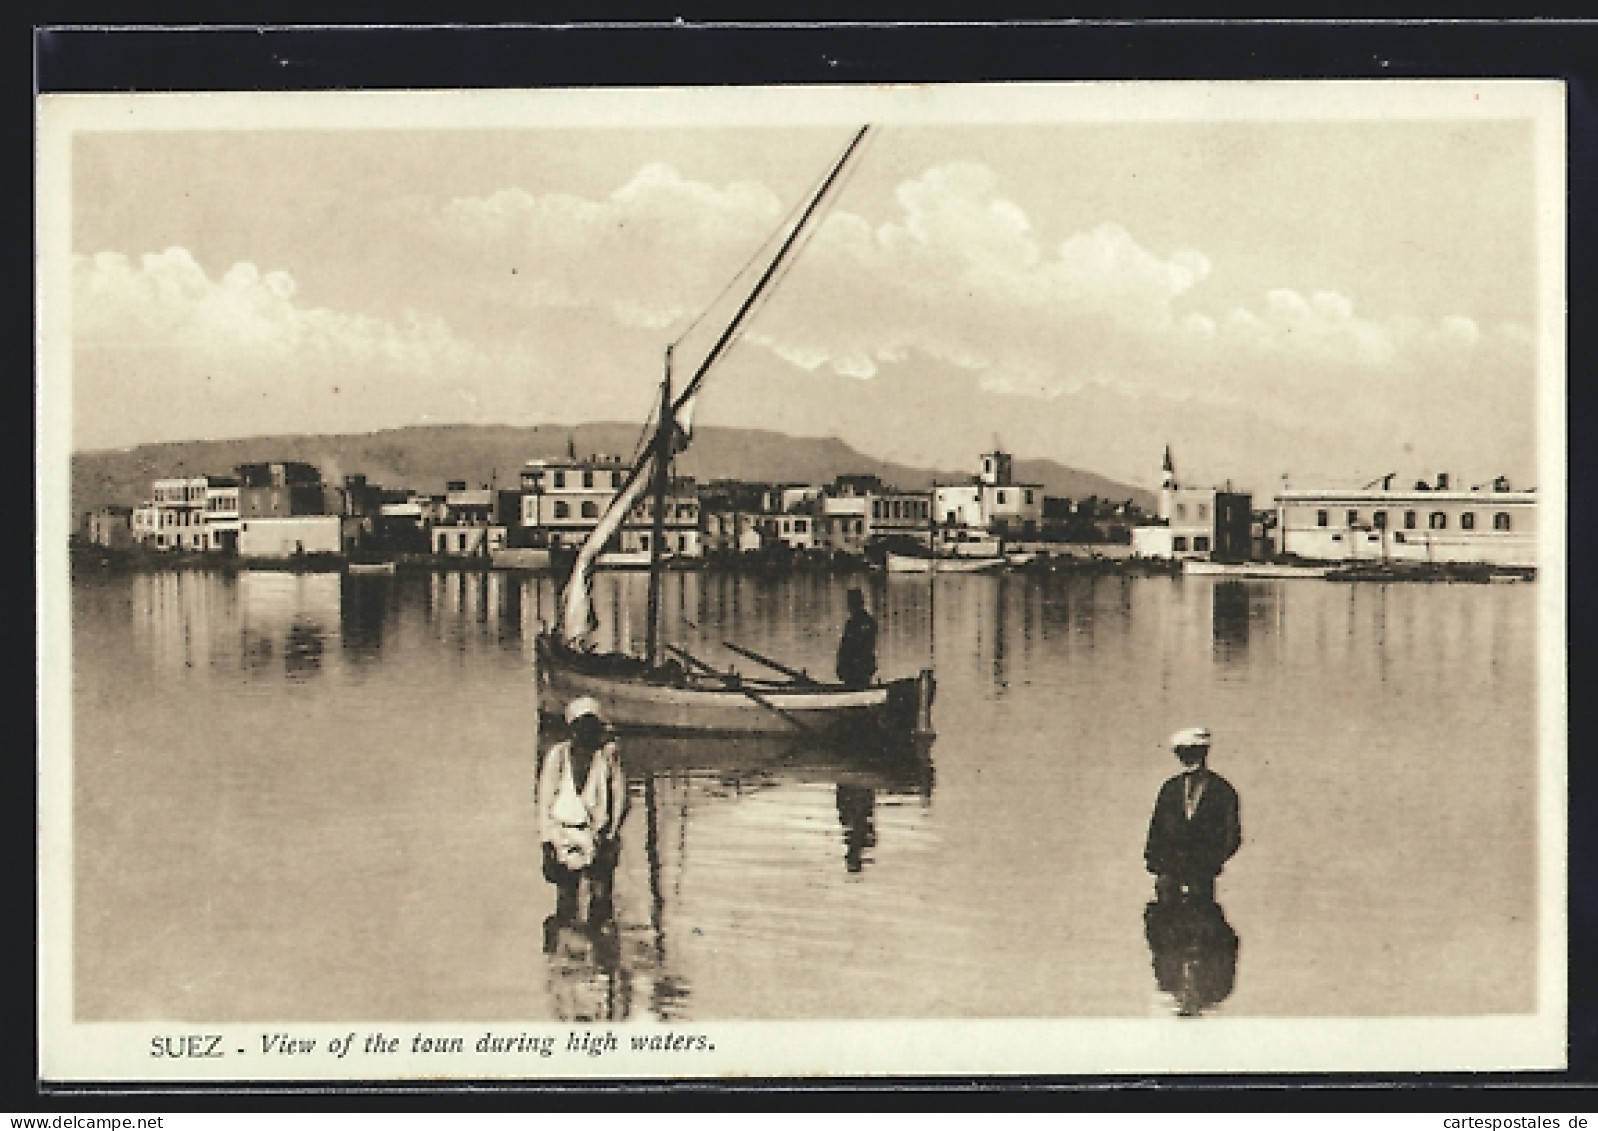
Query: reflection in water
856, 804
1229, 617
1194, 950
624, 967
363, 605
587, 979
365, 749
286, 620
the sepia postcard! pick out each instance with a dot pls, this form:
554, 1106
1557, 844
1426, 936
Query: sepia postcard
802, 582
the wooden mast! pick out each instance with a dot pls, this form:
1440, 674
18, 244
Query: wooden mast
665, 438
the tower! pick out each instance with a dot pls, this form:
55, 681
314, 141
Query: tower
997, 469
1167, 485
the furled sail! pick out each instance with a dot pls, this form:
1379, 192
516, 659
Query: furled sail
577, 602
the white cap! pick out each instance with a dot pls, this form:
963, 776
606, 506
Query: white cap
582, 705
1192, 736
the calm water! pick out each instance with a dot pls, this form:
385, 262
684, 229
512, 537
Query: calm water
309, 797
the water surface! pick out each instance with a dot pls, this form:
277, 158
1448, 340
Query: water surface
309, 797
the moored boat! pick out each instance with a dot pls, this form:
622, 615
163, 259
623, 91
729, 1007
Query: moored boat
521, 557
686, 694
1261, 570
939, 563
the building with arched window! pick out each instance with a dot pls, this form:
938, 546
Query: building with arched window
1489, 525
562, 500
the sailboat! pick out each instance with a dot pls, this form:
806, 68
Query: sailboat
686, 694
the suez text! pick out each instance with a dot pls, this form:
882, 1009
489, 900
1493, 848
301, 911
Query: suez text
194, 1046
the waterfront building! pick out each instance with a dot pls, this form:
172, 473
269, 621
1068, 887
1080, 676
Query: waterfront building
680, 528
992, 502
562, 501
221, 513
842, 524
281, 490
467, 539
795, 530
180, 513
1434, 524
146, 523
900, 514
287, 536
1197, 523
111, 526
731, 514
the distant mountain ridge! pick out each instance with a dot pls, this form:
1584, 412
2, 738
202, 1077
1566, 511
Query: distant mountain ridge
425, 457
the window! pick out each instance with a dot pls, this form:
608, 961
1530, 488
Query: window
1181, 511
615, 479
1029, 498
563, 510
1178, 544
682, 541
588, 479
1353, 518
1409, 520
1467, 521
460, 541
799, 526
1201, 543
590, 509
1203, 511
876, 508
1321, 518
1379, 520
643, 541
1001, 498
1501, 520
560, 479
1438, 521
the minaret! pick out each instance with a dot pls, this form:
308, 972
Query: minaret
1167, 485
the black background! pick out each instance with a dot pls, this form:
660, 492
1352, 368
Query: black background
80, 47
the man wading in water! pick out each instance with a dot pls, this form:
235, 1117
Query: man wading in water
582, 800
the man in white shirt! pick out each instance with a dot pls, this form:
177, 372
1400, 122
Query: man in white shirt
582, 801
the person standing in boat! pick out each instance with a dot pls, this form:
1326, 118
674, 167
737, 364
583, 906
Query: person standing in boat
1196, 827
857, 651
582, 801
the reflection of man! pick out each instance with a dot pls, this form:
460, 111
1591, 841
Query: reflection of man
1195, 827
856, 805
857, 651
582, 800
1194, 950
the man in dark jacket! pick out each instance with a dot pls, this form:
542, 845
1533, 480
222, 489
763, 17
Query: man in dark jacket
857, 651
1195, 828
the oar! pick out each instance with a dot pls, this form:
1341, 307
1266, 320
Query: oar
802, 677
753, 695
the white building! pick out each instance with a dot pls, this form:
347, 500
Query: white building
180, 513
1199, 523
290, 536
563, 500
992, 502
1491, 525
221, 513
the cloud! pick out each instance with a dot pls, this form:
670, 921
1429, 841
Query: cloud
180, 353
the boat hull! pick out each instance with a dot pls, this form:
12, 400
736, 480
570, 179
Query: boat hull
1251, 570
911, 563
749, 708
521, 557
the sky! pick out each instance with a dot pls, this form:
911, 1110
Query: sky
1324, 300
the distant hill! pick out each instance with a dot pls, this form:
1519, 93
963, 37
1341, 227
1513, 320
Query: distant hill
425, 457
